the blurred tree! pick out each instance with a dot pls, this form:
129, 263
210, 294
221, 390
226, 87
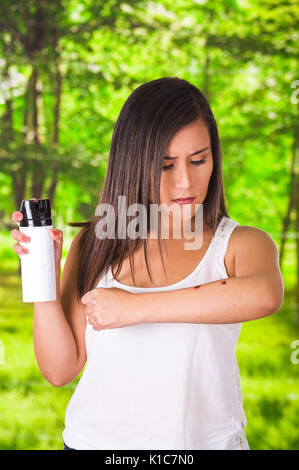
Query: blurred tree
68, 66
31, 37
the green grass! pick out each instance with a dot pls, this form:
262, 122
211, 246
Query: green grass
32, 410
269, 381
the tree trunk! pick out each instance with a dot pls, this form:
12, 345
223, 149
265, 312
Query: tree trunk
38, 174
56, 111
7, 129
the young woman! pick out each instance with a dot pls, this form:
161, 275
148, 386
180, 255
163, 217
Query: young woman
155, 323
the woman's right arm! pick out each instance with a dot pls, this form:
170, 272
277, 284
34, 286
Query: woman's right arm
59, 326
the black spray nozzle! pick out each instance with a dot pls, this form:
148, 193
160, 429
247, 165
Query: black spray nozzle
36, 212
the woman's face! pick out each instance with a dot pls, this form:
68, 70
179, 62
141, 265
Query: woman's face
183, 174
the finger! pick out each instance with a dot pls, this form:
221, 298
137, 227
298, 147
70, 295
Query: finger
17, 216
91, 309
96, 318
57, 235
92, 320
20, 250
19, 236
96, 323
88, 310
97, 327
88, 296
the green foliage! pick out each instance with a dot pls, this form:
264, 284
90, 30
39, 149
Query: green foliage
66, 68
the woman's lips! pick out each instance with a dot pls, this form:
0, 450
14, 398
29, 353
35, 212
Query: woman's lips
184, 200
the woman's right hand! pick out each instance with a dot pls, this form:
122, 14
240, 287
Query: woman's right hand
21, 237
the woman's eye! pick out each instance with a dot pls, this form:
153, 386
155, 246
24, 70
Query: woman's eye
167, 167
199, 162
196, 163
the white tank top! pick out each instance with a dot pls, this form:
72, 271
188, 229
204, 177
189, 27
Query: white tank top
162, 385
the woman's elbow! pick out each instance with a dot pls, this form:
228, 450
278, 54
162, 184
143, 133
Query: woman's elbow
275, 297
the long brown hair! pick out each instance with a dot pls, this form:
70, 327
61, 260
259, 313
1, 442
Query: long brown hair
151, 116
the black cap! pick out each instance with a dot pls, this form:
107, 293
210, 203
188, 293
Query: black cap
36, 213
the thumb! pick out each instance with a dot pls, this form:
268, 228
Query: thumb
57, 236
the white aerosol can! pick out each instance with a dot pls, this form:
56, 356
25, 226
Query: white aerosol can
38, 266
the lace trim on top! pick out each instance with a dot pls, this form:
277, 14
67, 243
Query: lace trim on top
221, 230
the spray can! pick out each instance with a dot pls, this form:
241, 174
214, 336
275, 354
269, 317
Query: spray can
38, 266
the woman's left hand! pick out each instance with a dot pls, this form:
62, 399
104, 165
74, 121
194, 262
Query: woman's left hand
109, 308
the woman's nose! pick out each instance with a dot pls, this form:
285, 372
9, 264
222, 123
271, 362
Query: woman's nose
183, 179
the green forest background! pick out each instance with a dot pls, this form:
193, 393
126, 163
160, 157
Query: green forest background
66, 69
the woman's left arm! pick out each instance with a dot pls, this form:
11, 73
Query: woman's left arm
256, 290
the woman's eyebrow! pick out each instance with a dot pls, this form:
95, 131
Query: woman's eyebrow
195, 153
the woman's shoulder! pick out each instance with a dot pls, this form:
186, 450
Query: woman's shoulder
251, 239
244, 231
